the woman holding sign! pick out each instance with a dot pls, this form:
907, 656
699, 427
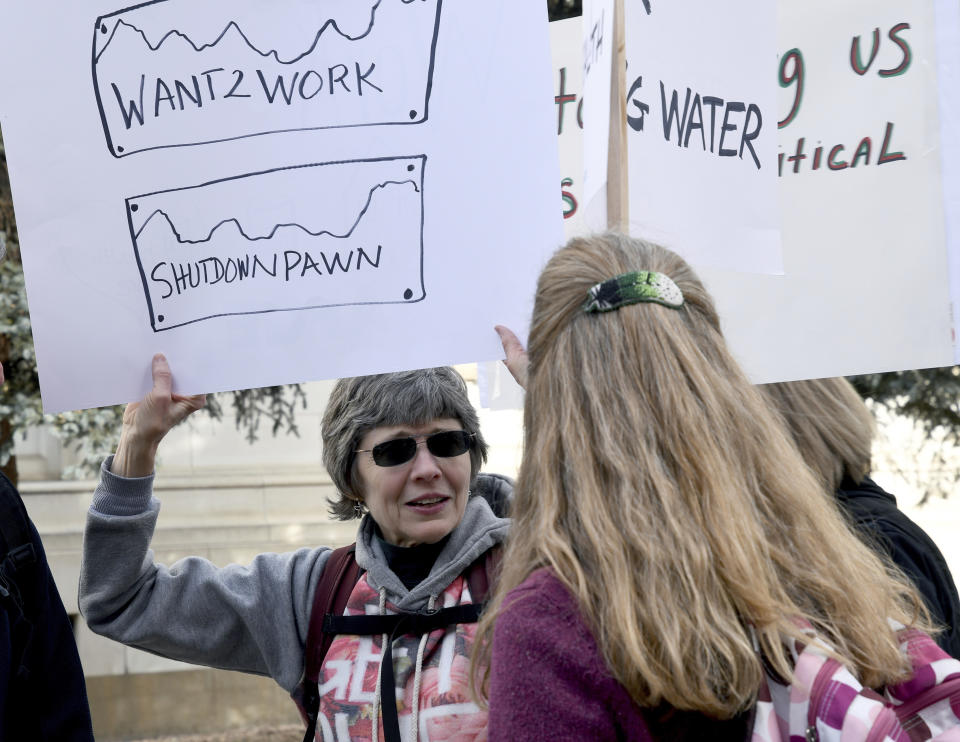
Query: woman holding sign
398, 610
668, 542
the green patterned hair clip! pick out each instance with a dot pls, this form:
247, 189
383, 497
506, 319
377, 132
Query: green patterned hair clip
633, 288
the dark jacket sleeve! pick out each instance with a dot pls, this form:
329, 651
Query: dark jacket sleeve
42, 689
920, 559
884, 526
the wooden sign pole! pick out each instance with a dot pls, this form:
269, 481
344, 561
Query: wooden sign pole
618, 205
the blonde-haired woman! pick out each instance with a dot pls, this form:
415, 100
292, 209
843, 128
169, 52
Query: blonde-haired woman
834, 432
661, 518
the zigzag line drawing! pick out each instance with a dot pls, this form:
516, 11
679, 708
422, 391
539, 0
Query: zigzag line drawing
331, 23
281, 265
270, 235
188, 93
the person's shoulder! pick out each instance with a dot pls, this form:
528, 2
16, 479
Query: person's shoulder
542, 581
541, 596
16, 528
497, 490
7, 490
495, 481
864, 497
541, 627
875, 509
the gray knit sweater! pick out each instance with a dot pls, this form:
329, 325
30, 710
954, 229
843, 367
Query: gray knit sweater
252, 618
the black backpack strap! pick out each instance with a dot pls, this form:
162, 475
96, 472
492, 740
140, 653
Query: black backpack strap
483, 574
396, 625
340, 575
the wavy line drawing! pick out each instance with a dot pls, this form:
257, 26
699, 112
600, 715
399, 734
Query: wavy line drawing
276, 227
233, 268
152, 93
331, 23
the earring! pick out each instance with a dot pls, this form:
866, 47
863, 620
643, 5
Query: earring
358, 509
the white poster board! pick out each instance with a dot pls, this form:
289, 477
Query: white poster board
274, 192
861, 196
498, 390
565, 42
598, 55
701, 131
948, 72
865, 241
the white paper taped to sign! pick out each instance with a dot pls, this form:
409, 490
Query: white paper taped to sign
702, 131
167, 76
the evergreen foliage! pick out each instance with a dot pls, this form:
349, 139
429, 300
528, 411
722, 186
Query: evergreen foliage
930, 399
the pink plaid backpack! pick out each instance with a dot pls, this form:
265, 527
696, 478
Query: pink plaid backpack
826, 703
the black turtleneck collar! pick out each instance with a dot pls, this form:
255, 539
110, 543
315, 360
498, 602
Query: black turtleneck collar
412, 564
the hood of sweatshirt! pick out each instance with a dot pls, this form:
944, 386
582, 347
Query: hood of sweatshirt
477, 532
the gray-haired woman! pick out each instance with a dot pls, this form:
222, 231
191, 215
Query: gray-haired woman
404, 451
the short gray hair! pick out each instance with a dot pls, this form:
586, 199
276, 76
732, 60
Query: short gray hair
362, 403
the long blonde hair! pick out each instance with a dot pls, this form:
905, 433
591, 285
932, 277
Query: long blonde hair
830, 424
662, 492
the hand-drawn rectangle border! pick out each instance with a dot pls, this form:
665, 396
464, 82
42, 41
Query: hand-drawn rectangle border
413, 299
120, 151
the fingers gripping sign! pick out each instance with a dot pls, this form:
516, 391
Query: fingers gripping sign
516, 359
161, 409
146, 422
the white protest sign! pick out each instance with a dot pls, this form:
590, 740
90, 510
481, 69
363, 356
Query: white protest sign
948, 73
861, 195
498, 390
274, 192
864, 247
597, 54
702, 130
565, 41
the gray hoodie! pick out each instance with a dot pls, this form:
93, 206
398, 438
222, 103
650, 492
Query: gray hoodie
251, 618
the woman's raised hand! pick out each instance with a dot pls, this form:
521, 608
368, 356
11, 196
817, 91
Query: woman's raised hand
145, 423
516, 360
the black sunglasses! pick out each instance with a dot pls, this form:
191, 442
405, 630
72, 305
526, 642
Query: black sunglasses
445, 444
